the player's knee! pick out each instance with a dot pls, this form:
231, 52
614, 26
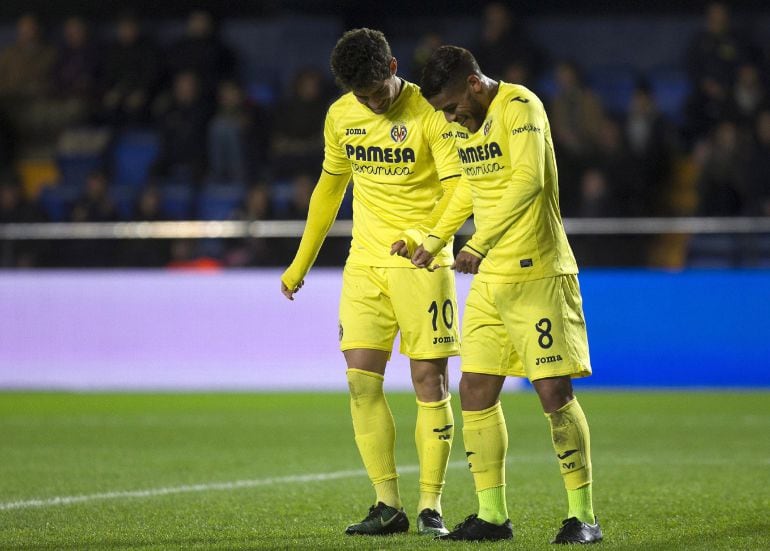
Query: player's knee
476, 393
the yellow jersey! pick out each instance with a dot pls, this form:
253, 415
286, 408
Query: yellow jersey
401, 162
510, 184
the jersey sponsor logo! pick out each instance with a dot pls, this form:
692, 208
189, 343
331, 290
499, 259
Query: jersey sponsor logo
487, 127
529, 127
480, 152
380, 170
456, 134
375, 154
398, 132
520, 99
355, 131
548, 359
482, 169
442, 340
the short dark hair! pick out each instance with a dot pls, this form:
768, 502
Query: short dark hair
361, 58
446, 67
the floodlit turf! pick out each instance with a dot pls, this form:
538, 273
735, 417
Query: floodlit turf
672, 471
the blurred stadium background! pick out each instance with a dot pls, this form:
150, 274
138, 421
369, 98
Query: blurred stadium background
156, 161
186, 137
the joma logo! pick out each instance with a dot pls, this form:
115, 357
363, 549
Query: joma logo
548, 359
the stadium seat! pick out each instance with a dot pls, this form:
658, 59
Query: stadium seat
125, 200
217, 201
133, 156
177, 201
74, 169
614, 84
56, 202
670, 87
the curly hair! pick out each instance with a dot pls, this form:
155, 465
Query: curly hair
361, 58
447, 67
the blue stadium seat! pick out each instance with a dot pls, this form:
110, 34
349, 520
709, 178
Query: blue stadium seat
74, 169
57, 201
177, 201
125, 199
614, 84
133, 156
670, 87
217, 201
280, 197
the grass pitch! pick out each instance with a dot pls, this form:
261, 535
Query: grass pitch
672, 470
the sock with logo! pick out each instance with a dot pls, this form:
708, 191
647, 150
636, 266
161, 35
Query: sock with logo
375, 433
433, 435
572, 443
486, 442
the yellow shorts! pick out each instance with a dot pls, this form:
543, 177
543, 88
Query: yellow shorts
378, 302
532, 329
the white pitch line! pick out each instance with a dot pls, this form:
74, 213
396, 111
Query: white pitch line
213, 486
315, 477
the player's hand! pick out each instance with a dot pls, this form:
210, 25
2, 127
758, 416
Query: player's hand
423, 259
289, 293
466, 263
400, 248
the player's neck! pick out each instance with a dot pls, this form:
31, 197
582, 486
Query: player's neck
491, 87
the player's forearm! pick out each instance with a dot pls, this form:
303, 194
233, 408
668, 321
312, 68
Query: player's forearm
524, 188
457, 211
324, 205
449, 187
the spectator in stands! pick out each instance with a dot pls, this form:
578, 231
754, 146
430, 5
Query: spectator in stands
297, 133
147, 253
253, 251
130, 74
25, 82
428, 43
749, 95
183, 131
230, 135
95, 203
575, 115
26, 65
77, 61
722, 182
652, 144
505, 42
716, 52
202, 52
15, 209
759, 166
301, 190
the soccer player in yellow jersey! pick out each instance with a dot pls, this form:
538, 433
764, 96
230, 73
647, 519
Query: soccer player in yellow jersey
401, 156
523, 316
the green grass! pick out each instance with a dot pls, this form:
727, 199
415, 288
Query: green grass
672, 470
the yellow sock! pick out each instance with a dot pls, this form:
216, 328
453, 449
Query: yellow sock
572, 443
486, 442
375, 433
433, 434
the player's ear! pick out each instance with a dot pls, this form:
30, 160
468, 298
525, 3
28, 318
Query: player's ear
474, 83
393, 65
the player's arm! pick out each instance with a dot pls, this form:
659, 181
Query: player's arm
457, 211
440, 137
527, 123
324, 204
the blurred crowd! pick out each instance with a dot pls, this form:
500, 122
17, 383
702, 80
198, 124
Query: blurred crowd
128, 128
